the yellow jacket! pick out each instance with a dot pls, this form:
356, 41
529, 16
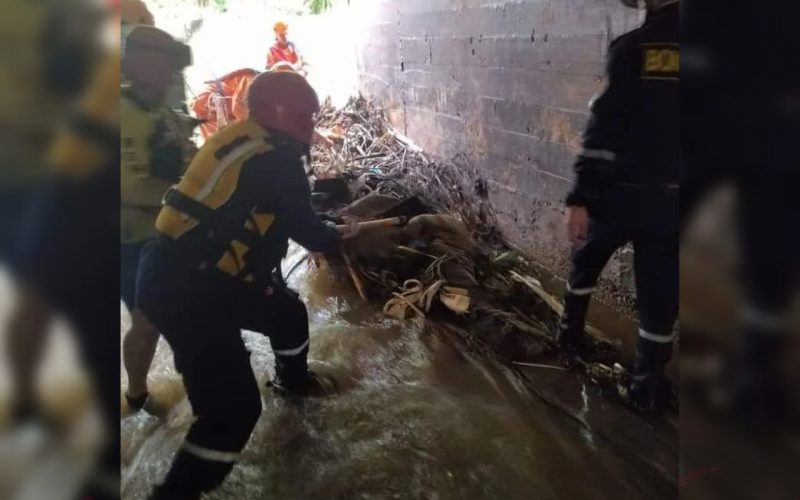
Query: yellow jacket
28, 109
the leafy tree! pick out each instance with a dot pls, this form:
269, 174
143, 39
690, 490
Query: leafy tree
319, 6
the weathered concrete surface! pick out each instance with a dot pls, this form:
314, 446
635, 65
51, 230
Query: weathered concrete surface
506, 84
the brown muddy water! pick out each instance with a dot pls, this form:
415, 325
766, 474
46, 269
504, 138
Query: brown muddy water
420, 417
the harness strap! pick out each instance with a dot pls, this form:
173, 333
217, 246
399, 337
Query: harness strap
205, 216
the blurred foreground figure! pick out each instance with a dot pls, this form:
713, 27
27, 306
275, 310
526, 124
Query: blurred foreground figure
741, 125
214, 270
67, 264
46, 55
153, 159
627, 191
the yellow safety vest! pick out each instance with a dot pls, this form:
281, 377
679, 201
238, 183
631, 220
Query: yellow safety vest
209, 184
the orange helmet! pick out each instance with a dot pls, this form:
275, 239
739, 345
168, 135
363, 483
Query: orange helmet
281, 28
284, 101
135, 12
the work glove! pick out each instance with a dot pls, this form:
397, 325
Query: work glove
348, 230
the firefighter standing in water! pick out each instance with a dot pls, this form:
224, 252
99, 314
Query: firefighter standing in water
627, 191
284, 52
153, 159
215, 270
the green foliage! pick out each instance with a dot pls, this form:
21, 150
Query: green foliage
319, 6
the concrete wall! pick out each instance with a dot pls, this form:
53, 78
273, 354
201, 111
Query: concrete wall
505, 83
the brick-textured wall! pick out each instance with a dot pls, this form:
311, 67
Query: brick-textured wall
505, 83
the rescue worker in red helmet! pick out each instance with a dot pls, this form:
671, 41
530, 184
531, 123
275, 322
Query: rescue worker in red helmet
215, 270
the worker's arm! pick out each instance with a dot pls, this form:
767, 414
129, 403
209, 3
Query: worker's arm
605, 133
291, 196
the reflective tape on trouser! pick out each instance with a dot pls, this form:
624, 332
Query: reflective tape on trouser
580, 291
599, 154
291, 352
653, 337
211, 455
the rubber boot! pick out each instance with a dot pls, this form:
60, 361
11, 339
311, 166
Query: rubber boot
294, 379
649, 391
571, 337
162, 493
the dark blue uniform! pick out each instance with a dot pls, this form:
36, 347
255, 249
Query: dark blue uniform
741, 125
69, 246
212, 272
627, 177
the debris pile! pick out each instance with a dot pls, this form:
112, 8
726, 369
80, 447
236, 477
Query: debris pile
422, 241
431, 253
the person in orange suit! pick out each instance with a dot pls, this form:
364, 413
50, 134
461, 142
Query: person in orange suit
284, 53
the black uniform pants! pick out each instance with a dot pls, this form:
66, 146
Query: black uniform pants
68, 254
201, 315
649, 220
768, 213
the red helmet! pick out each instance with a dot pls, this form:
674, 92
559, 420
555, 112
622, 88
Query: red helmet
284, 101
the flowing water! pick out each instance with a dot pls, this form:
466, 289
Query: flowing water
419, 417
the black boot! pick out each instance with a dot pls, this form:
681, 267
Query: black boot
163, 493
294, 379
649, 390
571, 337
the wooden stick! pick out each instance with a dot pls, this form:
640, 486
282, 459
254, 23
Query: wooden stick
354, 276
536, 365
394, 221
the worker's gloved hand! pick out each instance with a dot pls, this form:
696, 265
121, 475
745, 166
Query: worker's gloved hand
348, 230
